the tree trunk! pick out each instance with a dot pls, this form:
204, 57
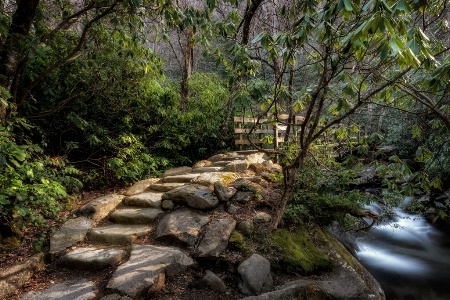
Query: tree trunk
188, 54
289, 173
12, 51
291, 118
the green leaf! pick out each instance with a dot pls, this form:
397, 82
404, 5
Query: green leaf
348, 5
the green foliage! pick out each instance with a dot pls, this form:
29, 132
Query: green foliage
319, 193
33, 186
298, 252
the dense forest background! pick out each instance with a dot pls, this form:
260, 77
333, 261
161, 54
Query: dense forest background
98, 93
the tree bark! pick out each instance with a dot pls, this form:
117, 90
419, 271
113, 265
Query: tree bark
188, 66
12, 49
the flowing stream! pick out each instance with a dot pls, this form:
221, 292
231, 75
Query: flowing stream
408, 256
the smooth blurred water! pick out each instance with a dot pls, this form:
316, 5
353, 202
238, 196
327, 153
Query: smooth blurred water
409, 257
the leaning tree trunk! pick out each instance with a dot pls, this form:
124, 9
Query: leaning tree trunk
12, 50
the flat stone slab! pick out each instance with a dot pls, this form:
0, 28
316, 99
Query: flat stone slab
147, 199
182, 226
99, 208
208, 179
139, 273
164, 187
236, 166
135, 215
118, 234
15, 277
193, 195
177, 171
215, 240
180, 178
71, 232
71, 290
92, 259
234, 157
140, 186
207, 169
221, 163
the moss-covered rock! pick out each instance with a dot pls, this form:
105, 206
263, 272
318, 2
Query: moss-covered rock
299, 254
237, 242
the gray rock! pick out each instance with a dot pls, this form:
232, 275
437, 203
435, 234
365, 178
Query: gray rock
116, 297
140, 186
217, 157
179, 178
92, 259
243, 197
215, 240
246, 227
136, 215
221, 163
222, 192
99, 208
208, 179
207, 169
202, 163
262, 217
310, 291
236, 166
118, 234
182, 226
255, 276
167, 205
234, 157
256, 158
195, 196
17, 276
232, 209
164, 187
147, 199
71, 232
71, 290
214, 282
177, 171
138, 274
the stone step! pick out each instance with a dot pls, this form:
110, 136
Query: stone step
207, 169
144, 268
221, 163
164, 187
146, 199
92, 258
180, 178
135, 215
118, 234
234, 157
247, 152
79, 289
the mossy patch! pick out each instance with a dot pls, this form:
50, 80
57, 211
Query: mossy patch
237, 242
299, 254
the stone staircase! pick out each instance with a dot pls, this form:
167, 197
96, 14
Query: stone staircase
189, 214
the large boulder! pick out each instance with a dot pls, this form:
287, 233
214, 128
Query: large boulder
140, 186
215, 239
208, 179
255, 276
195, 196
236, 166
71, 232
222, 192
144, 267
99, 208
181, 226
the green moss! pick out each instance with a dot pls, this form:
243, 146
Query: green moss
299, 254
237, 241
